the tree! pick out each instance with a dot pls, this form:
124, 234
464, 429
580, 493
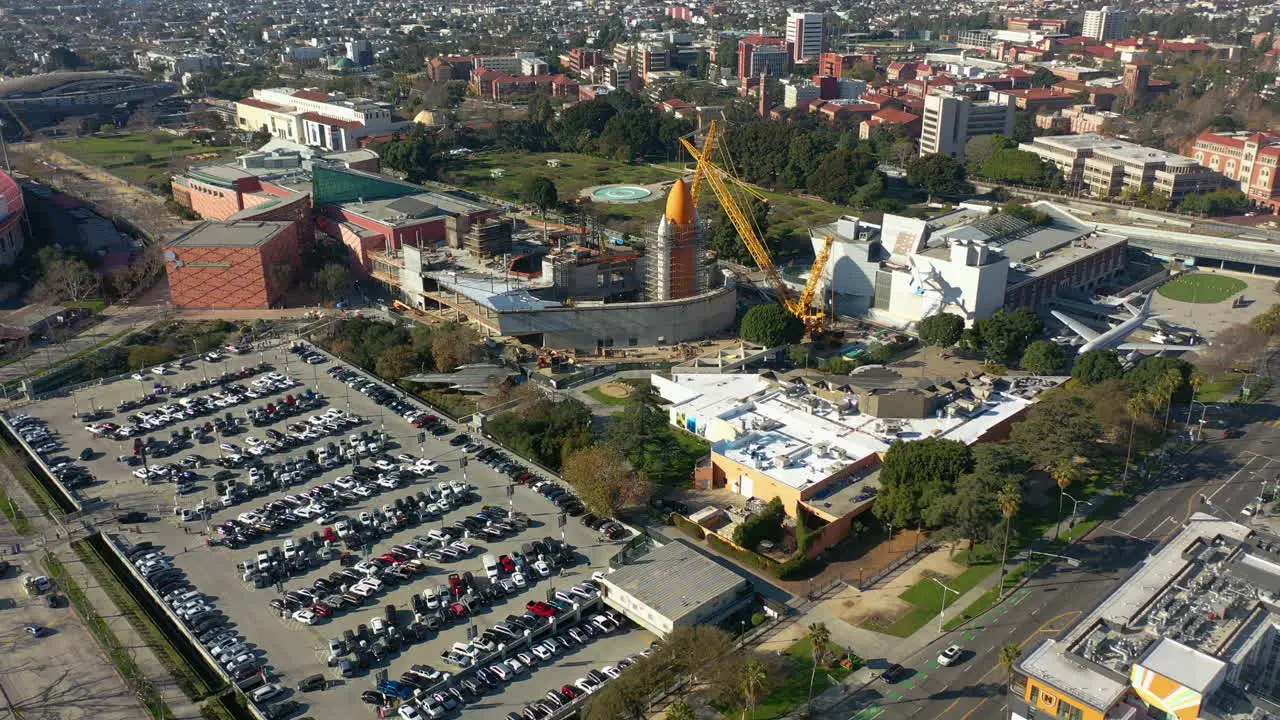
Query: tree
972, 511
397, 362
1009, 656
819, 640
1060, 426
1009, 500
941, 330
65, 279
753, 678
453, 346
332, 281
1043, 358
938, 175
1096, 366
771, 326
1044, 78
1003, 336
541, 192
603, 480
800, 355
915, 475
679, 710
1064, 472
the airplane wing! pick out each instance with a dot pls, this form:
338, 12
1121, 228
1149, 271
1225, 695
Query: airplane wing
1076, 326
1152, 347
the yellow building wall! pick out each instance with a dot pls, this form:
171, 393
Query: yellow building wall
278, 124
762, 486
1049, 701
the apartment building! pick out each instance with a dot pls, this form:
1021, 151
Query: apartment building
806, 35
1107, 23
314, 117
1108, 167
953, 115
643, 58
1247, 158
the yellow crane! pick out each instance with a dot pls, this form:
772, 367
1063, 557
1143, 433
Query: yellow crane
719, 179
26, 131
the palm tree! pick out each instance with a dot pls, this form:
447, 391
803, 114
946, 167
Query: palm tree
679, 710
1064, 472
1197, 379
1137, 405
1170, 384
753, 677
1010, 501
819, 639
1009, 655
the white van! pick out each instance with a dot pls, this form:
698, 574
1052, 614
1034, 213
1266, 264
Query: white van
490, 562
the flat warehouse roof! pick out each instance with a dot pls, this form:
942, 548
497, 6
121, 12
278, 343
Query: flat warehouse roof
675, 580
231, 234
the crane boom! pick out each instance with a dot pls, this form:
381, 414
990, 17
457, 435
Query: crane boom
718, 178
700, 170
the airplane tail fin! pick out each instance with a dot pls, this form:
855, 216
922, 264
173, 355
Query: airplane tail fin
1144, 310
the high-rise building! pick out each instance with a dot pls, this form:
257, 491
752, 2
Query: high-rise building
675, 255
360, 52
759, 54
806, 35
1107, 23
953, 115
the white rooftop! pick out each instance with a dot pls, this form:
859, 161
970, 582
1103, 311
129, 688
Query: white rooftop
1186, 666
799, 441
1054, 661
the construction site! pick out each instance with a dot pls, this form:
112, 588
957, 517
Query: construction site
574, 291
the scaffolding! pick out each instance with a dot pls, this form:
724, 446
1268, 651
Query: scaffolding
676, 261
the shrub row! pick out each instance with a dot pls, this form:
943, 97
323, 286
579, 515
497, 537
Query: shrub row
745, 556
689, 527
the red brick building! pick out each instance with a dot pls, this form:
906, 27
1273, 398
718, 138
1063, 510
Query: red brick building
1250, 159
230, 265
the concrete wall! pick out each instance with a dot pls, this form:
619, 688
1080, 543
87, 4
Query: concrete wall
647, 323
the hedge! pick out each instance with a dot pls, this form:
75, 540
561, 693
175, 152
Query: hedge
764, 525
689, 527
796, 567
745, 556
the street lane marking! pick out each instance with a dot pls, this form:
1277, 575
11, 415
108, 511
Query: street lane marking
1045, 627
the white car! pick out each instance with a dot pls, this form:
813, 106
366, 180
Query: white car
543, 569
502, 671
518, 580
265, 693
409, 712
306, 616
950, 656
379, 626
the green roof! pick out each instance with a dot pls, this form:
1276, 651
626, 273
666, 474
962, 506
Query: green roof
331, 185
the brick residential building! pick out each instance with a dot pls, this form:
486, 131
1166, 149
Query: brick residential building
230, 265
1248, 158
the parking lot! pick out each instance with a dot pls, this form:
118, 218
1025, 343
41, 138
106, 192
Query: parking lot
293, 649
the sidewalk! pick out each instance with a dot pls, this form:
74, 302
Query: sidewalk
47, 537
866, 643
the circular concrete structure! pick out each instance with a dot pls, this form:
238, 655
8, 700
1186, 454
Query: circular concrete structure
621, 194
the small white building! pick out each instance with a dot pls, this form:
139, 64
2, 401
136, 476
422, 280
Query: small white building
673, 586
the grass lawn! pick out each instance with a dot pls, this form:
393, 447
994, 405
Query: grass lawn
790, 217
1202, 288
926, 599
21, 523
119, 155
575, 173
792, 691
1226, 387
600, 395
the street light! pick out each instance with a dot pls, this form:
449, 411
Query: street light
1074, 504
1073, 562
942, 610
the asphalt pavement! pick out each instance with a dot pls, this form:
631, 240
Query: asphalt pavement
1228, 473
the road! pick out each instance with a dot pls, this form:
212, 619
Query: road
1229, 473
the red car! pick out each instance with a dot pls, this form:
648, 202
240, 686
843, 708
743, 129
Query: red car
393, 557
1232, 433
455, 584
539, 608
322, 609
570, 692
329, 534
459, 610
508, 566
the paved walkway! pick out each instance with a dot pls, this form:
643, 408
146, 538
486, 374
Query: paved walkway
114, 320
112, 698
